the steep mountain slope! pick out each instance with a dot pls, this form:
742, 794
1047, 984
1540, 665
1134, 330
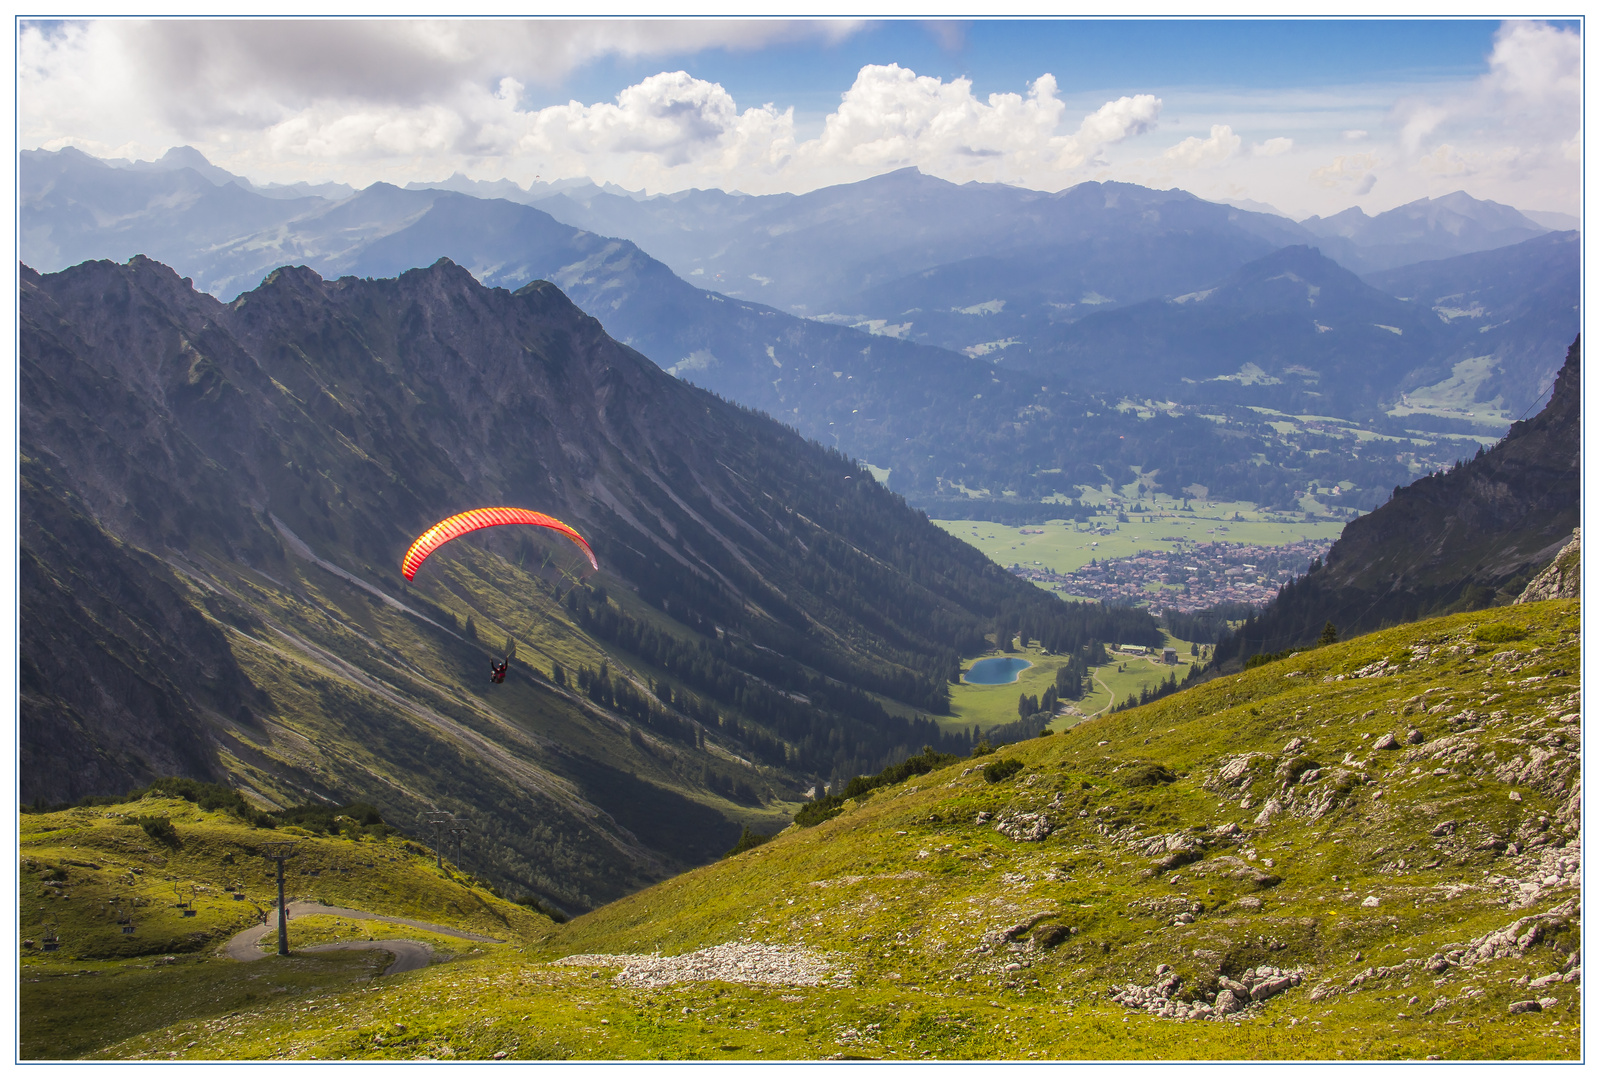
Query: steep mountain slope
1369, 851
216, 499
1454, 540
1516, 305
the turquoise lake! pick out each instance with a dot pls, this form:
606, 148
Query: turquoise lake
997, 670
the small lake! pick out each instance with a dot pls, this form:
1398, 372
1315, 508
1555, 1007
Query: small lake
997, 670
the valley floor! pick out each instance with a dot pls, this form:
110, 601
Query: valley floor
1365, 851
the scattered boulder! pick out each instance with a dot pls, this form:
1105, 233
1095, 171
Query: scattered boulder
1234, 867
1387, 742
1251, 988
1236, 771
1147, 774
1172, 850
1415, 737
1024, 827
1510, 940
1524, 1007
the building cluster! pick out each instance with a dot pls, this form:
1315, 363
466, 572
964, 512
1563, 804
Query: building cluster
1189, 578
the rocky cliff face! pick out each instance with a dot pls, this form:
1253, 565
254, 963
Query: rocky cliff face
215, 502
1452, 541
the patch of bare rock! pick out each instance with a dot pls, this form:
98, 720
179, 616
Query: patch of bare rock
1254, 986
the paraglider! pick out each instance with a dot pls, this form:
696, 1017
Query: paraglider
461, 524
562, 563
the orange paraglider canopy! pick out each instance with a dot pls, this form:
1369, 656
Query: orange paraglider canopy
472, 520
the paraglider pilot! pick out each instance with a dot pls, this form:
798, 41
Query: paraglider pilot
497, 673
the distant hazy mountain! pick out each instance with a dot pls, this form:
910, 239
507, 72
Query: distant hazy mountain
1518, 306
1453, 224
991, 270
1551, 219
957, 265
1294, 331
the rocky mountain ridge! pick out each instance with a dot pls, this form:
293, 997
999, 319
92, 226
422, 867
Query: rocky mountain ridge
216, 499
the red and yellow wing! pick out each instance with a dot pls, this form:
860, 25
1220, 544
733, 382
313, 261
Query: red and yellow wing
472, 520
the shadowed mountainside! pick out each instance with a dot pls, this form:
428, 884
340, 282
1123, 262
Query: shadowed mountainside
216, 498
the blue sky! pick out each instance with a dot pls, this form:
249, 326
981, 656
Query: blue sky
1308, 117
1120, 56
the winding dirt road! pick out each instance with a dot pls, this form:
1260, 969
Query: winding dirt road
408, 955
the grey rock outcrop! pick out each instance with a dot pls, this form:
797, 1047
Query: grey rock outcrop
1561, 579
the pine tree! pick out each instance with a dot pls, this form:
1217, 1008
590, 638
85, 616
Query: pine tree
1330, 634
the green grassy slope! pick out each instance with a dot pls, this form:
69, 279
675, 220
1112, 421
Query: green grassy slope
84, 871
1251, 822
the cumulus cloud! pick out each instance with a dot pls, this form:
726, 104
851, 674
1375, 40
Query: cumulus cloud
400, 100
1111, 123
1524, 107
330, 83
1194, 151
1272, 147
1354, 134
1350, 172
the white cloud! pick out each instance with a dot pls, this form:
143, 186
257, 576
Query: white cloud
1213, 150
351, 89
1525, 107
1111, 123
402, 100
1536, 66
1347, 172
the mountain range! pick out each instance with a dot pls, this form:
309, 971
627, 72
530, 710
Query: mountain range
945, 411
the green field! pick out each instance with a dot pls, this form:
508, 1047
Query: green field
1064, 546
1136, 673
990, 706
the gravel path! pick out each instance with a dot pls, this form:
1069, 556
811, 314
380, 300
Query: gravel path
408, 955
782, 965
